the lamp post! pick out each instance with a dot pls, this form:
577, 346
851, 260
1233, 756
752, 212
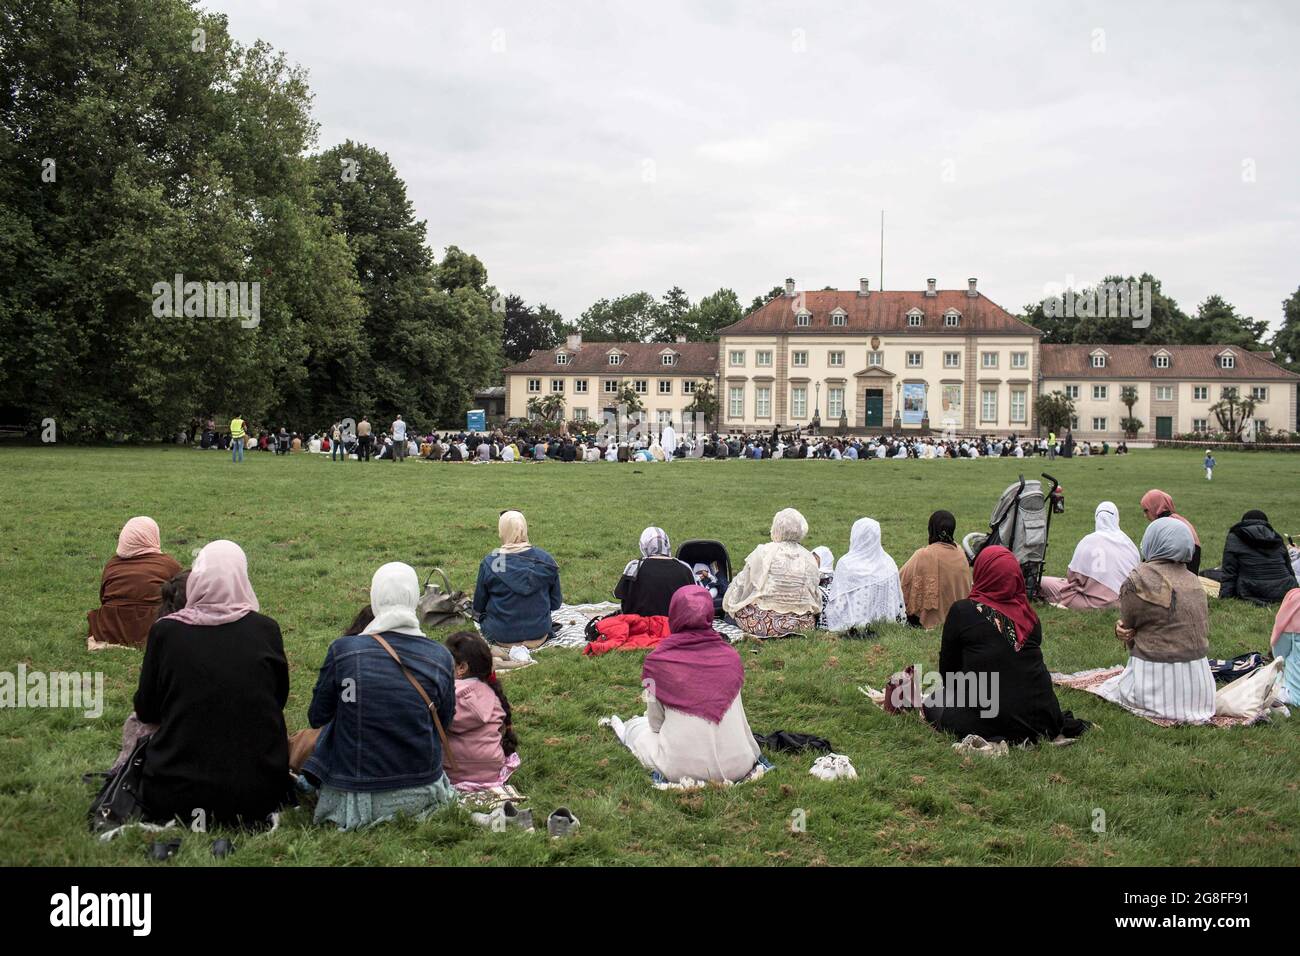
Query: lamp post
817, 408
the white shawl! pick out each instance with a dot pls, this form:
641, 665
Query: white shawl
866, 586
1107, 555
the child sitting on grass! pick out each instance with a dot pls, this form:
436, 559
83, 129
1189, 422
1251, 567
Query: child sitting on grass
480, 738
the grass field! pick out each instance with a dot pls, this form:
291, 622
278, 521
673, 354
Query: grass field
315, 531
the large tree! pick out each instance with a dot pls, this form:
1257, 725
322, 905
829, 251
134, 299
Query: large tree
527, 329
627, 318
1217, 323
1286, 342
1168, 323
714, 312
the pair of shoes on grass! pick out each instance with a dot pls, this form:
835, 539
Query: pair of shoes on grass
560, 823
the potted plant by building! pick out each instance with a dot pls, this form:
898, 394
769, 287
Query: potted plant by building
1131, 427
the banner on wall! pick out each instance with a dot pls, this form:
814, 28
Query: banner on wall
913, 402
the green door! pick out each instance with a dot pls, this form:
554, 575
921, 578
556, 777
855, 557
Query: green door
1164, 427
875, 406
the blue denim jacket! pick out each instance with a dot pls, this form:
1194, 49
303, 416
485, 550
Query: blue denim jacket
515, 595
378, 735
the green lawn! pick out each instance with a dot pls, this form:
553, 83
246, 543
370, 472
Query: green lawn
315, 531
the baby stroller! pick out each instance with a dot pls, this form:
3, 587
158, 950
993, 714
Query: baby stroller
714, 554
1020, 523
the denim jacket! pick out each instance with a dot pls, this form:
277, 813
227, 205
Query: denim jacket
515, 595
377, 733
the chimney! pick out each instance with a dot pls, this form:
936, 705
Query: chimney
970, 287
789, 288
574, 341
864, 287
929, 287
681, 337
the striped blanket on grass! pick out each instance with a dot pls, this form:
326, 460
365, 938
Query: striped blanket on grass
1091, 680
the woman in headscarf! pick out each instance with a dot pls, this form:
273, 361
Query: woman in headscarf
776, 593
648, 583
936, 576
1101, 562
383, 716
1286, 645
1256, 565
1157, 504
518, 587
130, 589
215, 680
1165, 624
866, 588
826, 562
995, 683
695, 724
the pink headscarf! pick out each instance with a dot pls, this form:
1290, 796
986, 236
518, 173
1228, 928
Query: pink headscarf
694, 669
1288, 617
218, 591
139, 536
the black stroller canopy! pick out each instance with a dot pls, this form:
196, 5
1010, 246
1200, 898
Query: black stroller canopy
701, 551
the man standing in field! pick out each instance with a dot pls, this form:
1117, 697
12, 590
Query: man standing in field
237, 438
363, 439
399, 439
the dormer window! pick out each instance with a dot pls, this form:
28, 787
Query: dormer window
915, 318
952, 318
615, 358
802, 318
1161, 359
1098, 359
561, 358
1227, 360
669, 358
838, 317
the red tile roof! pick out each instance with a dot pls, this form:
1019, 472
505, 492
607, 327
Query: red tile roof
639, 358
1137, 361
881, 312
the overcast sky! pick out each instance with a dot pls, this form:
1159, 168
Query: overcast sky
588, 150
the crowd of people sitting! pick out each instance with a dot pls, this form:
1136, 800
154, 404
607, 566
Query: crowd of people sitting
437, 723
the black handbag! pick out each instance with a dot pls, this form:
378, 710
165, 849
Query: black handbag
118, 801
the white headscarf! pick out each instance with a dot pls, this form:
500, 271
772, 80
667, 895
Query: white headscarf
394, 594
1107, 555
825, 558
866, 586
789, 525
780, 576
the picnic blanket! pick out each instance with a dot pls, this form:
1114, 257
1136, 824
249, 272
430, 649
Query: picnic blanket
485, 800
1092, 680
570, 624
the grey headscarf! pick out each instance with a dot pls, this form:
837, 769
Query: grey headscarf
1167, 539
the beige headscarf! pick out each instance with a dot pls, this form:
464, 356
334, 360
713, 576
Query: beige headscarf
513, 529
781, 576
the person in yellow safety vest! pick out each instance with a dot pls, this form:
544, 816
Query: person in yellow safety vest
237, 439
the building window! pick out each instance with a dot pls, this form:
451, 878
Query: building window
1020, 360
736, 401
834, 403
1100, 393
1099, 424
1099, 361
557, 385
665, 418
1164, 393
915, 319
1227, 360
561, 358
1259, 393
988, 359
763, 359
914, 359
611, 386
952, 360
615, 358
665, 386
580, 386
799, 401
688, 387
1162, 361
803, 318
952, 319
835, 359
1019, 405
989, 405
1261, 424
534, 385
1072, 392
762, 402
876, 359
579, 414
1201, 393
1229, 391
736, 358
669, 359
1074, 422
641, 385
799, 359
1200, 425
837, 319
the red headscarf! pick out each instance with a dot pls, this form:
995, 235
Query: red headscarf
1000, 584
694, 669
1157, 504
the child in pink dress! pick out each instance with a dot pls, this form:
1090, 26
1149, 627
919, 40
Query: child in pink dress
480, 738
